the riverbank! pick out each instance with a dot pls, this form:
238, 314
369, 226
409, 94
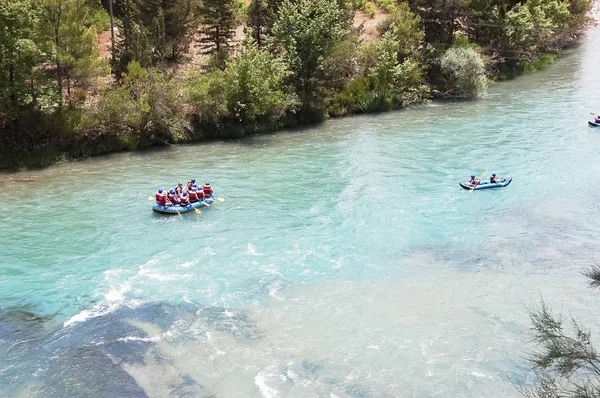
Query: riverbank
261, 89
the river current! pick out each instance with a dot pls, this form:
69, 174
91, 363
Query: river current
344, 261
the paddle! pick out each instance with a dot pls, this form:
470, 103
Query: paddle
174, 206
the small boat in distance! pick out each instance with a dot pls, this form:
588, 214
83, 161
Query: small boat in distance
487, 185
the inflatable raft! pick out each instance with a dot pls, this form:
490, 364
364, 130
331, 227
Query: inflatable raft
181, 209
486, 185
593, 124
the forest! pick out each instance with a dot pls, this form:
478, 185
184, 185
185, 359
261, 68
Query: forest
179, 71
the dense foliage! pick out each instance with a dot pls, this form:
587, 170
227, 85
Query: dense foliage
181, 72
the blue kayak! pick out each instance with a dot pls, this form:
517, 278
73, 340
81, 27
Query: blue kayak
177, 209
486, 185
593, 124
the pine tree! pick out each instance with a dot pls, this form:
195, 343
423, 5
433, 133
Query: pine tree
179, 18
133, 44
307, 33
20, 51
159, 36
262, 15
72, 41
218, 21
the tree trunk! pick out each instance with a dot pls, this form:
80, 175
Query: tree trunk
59, 79
11, 79
112, 31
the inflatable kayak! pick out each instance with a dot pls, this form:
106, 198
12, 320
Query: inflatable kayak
181, 209
486, 185
593, 124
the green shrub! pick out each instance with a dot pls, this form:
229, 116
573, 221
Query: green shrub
359, 4
255, 85
395, 84
404, 26
387, 5
147, 103
464, 70
208, 96
357, 97
370, 9
542, 62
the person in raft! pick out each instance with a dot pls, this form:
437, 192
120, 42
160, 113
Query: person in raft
191, 184
185, 199
493, 179
172, 198
199, 193
207, 190
193, 196
161, 198
474, 181
179, 189
597, 119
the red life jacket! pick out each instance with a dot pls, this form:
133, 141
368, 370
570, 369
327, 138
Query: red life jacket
189, 186
493, 180
207, 191
200, 194
161, 199
185, 200
193, 197
178, 189
172, 198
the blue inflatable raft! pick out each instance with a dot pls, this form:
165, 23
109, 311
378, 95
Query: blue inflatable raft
486, 185
593, 124
181, 209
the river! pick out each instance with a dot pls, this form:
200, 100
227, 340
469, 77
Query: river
344, 261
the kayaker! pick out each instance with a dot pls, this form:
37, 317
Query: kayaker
192, 195
172, 197
207, 190
185, 200
493, 179
179, 189
161, 198
474, 181
191, 184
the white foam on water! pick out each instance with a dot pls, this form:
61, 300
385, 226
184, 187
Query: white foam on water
187, 264
274, 290
152, 339
266, 391
480, 375
147, 270
113, 299
252, 250
118, 289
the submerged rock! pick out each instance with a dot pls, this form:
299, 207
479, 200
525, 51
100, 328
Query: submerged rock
96, 356
231, 321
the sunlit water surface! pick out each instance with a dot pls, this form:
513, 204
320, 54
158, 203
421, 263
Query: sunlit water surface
345, 260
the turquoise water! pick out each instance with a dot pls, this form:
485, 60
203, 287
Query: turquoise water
344, 261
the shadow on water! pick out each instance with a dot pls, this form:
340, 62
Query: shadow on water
90, 358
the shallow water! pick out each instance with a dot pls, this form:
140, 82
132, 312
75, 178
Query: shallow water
345, 260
